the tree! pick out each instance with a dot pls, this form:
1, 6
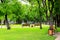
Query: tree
51, 6
8, 27
7, 8
40, 13
57, 13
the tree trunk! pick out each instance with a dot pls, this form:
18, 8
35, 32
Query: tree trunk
51, 11
58, 23
40, 25
4, 22
0, 21
40, 14
51, 21
55, 24
58, 20
7, 23
55, 21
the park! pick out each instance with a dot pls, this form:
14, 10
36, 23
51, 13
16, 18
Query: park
29, 19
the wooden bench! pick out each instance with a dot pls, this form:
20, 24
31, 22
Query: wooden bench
30, 25
25, 25
37, 24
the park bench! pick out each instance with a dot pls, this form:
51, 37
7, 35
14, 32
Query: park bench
25, 24
30, 25
37, 24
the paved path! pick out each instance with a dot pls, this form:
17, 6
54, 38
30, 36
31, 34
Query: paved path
57, 36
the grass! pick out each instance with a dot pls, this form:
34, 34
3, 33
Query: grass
25, 34
58, 29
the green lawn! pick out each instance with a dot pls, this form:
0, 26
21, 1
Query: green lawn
58, 29
25, 34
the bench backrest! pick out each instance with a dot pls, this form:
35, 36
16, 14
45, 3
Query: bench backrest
25, 24
37, 24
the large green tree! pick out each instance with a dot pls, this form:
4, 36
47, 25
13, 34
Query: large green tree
9, 7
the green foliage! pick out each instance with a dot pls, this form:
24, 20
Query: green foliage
57, 6
16, 9
11, 7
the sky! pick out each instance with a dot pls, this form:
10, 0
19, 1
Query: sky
24, 2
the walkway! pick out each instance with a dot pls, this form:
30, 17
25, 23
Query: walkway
58, 36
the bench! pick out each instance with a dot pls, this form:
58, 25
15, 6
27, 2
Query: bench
37, 24
25, 24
